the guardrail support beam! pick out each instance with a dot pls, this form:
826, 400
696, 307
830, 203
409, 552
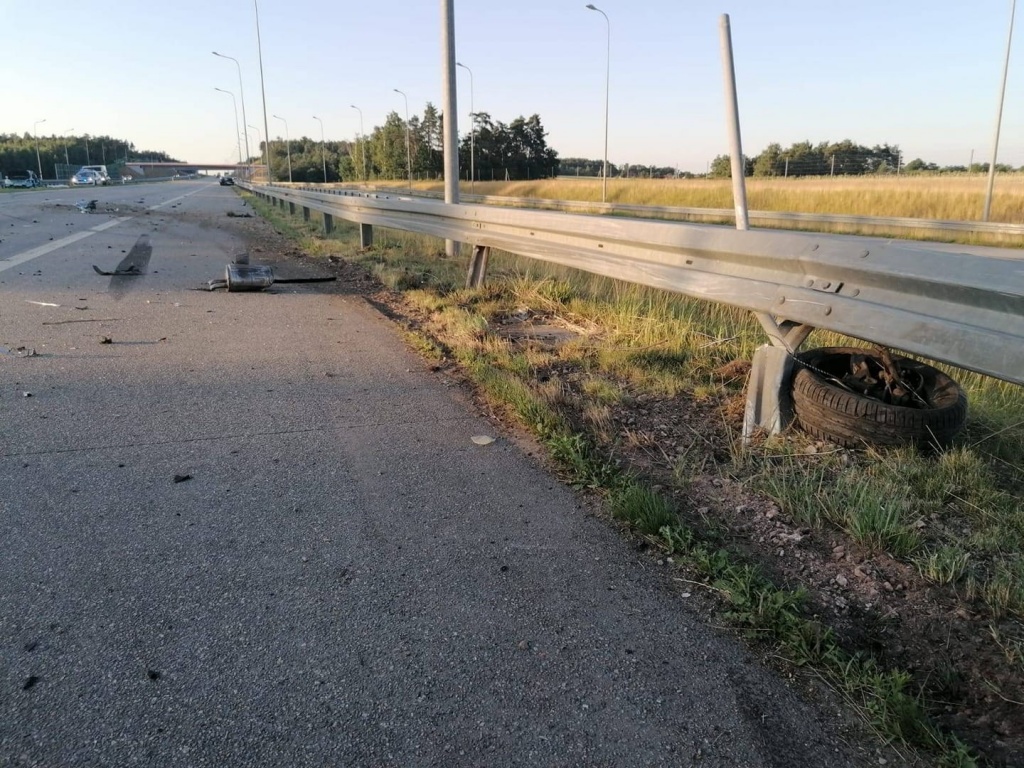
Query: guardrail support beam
305, 213
478, 266
291, 207
769, 405
328, 223
365, 235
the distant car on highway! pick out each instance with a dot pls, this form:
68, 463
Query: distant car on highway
100, 169
227, 181
87, 178
27, 179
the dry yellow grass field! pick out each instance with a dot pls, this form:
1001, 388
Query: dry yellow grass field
953, 198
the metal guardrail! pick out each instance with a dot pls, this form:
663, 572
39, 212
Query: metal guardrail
963, 309
727, 214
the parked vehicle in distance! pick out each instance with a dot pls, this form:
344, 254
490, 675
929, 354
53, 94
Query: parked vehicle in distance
227, 181
87, 178
100, 169
26, 179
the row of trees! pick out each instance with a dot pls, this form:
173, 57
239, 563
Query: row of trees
517, 150
844, 158
18, 153
582, 166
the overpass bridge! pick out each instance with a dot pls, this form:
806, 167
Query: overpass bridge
152, 170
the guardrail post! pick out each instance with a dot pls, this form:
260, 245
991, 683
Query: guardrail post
328, 223
478, 266
291, 207
365, 235
305, 213
769, 406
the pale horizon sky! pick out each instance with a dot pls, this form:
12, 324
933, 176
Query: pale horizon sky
921, 75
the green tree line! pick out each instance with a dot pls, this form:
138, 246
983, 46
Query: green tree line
19, 153
517, 150
844, 158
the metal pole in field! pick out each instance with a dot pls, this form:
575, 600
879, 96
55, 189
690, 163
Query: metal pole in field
999, 117
732, 108
323, 146
472, 130
39, 163
362, 140
451, 112
235, 105
408, 150
263, 90
241, 96
970, 165
288, 145
607, 82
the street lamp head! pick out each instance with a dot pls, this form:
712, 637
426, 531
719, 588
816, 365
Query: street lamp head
592, 7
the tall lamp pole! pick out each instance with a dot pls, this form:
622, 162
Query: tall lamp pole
263, 90
288, 145
264, 153
39, 163
999, 117
323, 149
241, 95
408, 145
362, 143
66, 161
607, 81
235, 105
472, 129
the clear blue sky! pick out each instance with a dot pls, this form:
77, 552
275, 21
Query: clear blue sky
923, 74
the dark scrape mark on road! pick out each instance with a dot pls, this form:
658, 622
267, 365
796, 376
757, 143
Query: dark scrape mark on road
132, 265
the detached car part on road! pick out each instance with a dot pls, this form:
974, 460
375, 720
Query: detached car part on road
856, 397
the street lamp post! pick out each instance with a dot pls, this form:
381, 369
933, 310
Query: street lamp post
88, 160
362, 143
263, 90
999, 118
39, 163
607, 81
323, 147
288, 145
408, 145
264, 153
235, 105
66, 160
472, 129
241, 95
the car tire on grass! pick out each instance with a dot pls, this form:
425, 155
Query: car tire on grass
830, 412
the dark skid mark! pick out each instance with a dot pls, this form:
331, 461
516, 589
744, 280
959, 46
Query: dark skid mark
135, 263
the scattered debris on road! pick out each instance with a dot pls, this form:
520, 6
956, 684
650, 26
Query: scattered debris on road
106, 340
85, 206
482, 439
130, 271
42, 303
245, 277
182, 478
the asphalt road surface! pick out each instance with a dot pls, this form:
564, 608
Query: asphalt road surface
253, 530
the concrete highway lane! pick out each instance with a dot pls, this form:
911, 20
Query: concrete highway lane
253, 530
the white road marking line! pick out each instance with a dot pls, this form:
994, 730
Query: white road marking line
42, 250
